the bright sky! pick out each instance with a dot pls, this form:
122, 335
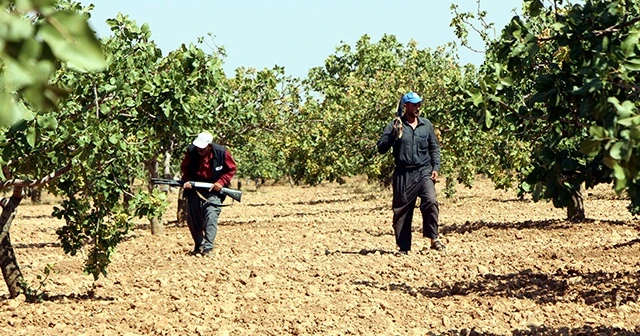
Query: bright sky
296, 34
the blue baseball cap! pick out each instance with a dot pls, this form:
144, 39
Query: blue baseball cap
411, 97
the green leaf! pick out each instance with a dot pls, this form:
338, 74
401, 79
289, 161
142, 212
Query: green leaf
48, 122
632, 121
590, 147
108, 88
618, 172
72, 41
487, 118
29, 50
592, 84
506, 81
632, 64
43, 3
10, 109
597, 132
625, 109
535, 7
628, 46
620, 184
616, 149
16, 75
476, 97
557, 26
15, 28
31, 135
23, 5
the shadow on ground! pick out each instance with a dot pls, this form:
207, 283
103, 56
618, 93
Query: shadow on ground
586, 330
36, 245
599, 289
627, 244
362, 252
89, 296
468, 227
547, 224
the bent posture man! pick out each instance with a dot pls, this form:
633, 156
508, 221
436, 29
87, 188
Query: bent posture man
416, 155
205, 161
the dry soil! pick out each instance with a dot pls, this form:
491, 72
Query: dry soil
322, 261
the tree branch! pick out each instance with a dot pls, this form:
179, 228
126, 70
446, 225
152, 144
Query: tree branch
35, 183
617, 27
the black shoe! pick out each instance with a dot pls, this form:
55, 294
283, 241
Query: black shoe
196, 251
438, 246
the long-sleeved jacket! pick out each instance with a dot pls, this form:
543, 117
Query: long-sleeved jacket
416, 148
217, 166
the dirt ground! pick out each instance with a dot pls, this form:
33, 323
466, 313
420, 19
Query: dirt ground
322, 261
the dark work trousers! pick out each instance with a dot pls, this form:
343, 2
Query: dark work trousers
408, 185
202, 218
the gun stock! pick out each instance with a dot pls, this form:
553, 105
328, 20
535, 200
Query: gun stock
233, 193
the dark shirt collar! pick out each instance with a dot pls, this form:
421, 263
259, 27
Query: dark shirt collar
420, 120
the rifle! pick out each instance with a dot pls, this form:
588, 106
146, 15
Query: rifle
233, 193
397, 121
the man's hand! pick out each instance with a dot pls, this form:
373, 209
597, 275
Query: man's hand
187, 186
434, 176
397, 128
216, 187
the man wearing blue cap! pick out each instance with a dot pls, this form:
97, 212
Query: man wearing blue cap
416, 154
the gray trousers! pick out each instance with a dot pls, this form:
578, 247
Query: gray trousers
202, 218
408, 185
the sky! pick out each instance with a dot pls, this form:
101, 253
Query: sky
297, 34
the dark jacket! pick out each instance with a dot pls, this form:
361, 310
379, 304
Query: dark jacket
217, 163
416, 148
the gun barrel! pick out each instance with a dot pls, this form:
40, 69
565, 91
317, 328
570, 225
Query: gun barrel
167, 181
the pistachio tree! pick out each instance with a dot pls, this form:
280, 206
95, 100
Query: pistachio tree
37, 145
355, 94
259, 122
563, 77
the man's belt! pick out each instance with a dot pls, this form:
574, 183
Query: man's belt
410, 167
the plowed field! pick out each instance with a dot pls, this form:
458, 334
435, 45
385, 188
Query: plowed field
322, 261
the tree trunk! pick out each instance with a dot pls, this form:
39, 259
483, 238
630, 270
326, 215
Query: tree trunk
8, 263
156, 226
127, 196
181, 216
166, 165
575, 210
36, 195
166, 171
156, 223
259, 182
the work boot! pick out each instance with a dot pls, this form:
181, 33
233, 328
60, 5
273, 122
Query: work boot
207, 253
438, 246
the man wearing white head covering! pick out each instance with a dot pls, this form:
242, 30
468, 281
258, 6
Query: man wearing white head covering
416, 154
205, 161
